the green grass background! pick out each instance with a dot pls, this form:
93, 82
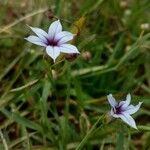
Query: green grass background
46, 106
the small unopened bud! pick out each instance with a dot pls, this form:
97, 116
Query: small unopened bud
127, 12
123, 4
49, 14
145, 26
128, 47
86, 55
23, 4
54, 74
71, 57
107, 118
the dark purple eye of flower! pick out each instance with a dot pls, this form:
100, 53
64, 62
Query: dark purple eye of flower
52, 42
118, 110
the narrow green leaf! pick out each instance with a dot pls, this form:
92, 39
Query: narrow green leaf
25, 86
120, 141
21, 120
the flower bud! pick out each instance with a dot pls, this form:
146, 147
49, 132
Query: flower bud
145, 26
49, 14
86, 55
127, 12
123, 4
71, 57
54, 74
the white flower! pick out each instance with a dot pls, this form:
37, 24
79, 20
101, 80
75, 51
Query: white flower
123, 110
54, 41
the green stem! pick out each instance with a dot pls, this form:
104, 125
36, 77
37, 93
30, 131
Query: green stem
68, 94
79, 147
65, 136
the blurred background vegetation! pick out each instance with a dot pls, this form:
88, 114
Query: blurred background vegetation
46, 106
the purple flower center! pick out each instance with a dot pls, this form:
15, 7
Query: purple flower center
52, 42
118, 110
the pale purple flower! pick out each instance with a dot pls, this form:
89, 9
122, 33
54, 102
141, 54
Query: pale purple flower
123, 109
54, 41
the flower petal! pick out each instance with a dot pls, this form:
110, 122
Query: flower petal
35, 40
54, 29
53, 52
127, 101
113, 114
40, 33
111, 100
133, 109
63, 37
68, 48
128, 119
121, 103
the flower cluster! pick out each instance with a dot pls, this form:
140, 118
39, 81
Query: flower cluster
54, 41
